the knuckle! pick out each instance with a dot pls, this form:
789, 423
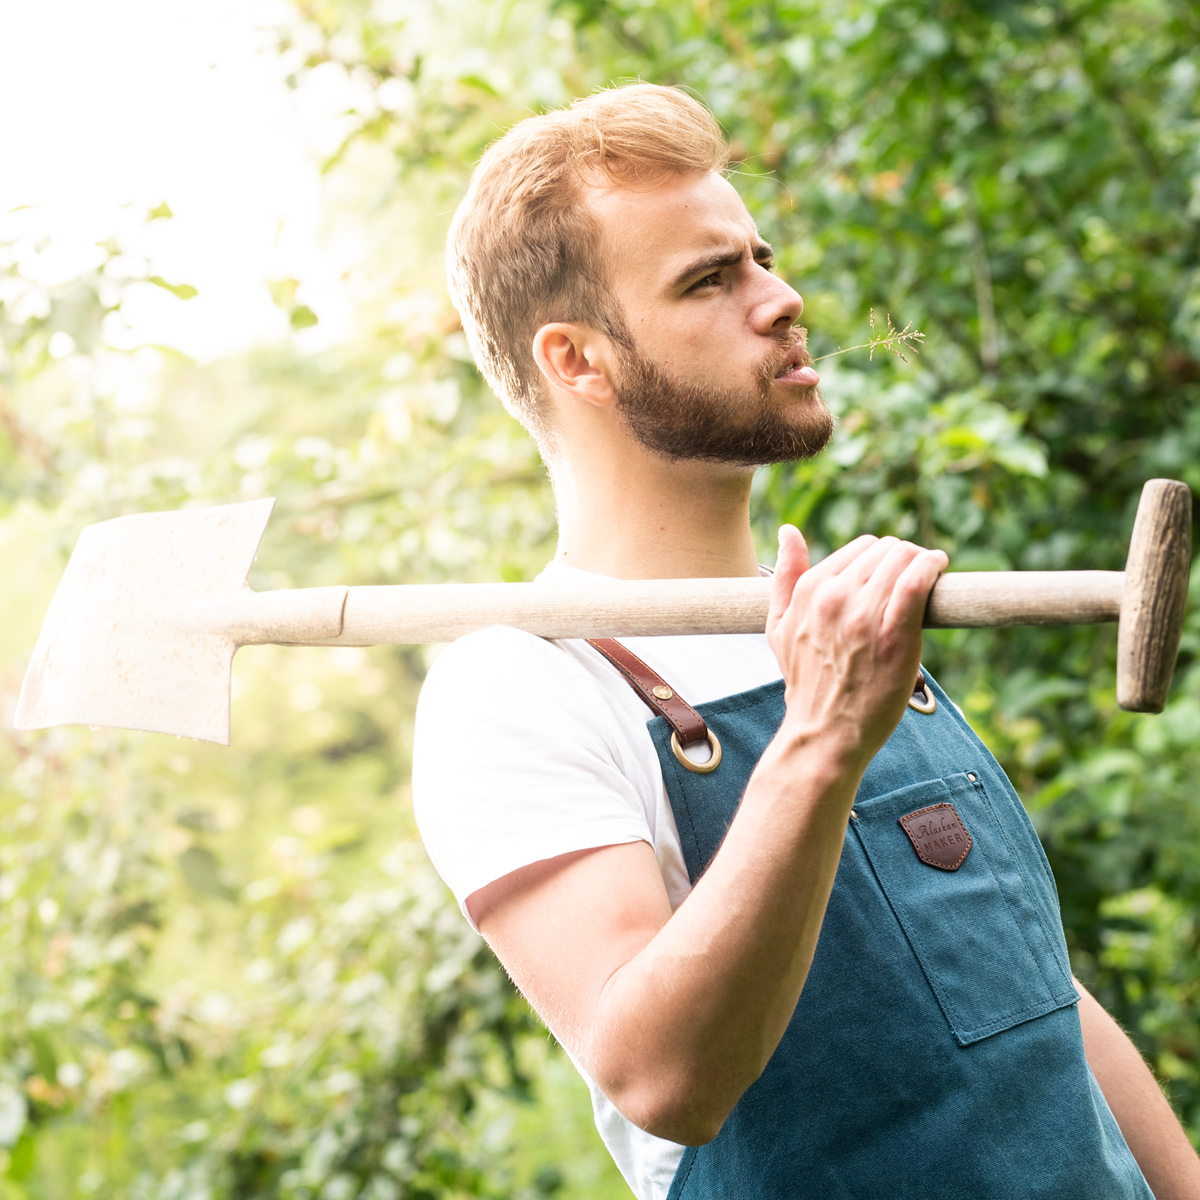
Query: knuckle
829, 600
861, 544
825, 605
856, 623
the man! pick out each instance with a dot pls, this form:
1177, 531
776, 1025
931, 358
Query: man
657, 889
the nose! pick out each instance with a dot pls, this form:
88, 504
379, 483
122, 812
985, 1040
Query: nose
779, 307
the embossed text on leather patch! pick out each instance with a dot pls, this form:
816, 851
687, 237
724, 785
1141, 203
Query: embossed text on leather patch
938, 836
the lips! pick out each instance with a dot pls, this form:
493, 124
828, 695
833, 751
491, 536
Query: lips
796, 370
798, 374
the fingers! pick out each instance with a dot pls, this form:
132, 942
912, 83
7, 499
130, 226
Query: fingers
793, 563
789, 566
890, 566
863, 568
839, 560
910, 592
891, 577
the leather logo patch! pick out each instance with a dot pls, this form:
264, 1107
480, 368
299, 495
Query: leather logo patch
938, 836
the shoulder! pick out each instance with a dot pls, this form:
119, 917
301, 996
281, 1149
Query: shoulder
518, 757
504, 666
508, 685
497, 648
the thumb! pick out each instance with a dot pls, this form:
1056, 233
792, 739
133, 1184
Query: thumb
789, 566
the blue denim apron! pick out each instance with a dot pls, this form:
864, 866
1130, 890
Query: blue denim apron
935, 1052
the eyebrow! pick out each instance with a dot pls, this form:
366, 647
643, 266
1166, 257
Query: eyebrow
714, 262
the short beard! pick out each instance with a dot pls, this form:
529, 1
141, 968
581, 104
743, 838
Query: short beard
682, 421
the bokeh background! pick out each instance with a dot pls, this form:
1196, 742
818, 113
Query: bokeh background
231, 973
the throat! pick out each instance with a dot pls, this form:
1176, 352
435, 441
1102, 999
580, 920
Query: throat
676, 521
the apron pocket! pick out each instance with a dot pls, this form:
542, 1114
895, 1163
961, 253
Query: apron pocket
975, 928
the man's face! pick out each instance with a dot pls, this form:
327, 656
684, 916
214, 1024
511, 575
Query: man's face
716, 369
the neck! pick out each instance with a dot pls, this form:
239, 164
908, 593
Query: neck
633, 516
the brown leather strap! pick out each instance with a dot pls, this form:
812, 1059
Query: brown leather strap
655, 691
661, 697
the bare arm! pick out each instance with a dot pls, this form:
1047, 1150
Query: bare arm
674, 1016
1158, 1142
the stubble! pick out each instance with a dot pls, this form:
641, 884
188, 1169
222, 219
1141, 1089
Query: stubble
681, 420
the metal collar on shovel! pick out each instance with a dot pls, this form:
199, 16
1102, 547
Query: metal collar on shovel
142, 631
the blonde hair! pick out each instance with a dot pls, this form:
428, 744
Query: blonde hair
523, 247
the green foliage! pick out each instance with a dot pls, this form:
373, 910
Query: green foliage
232, 972
225, 974
339, 1030
1019, 181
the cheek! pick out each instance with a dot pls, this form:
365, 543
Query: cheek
698, 346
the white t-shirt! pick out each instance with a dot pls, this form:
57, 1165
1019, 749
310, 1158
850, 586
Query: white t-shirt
526, 749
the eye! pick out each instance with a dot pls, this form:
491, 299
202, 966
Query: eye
767, 264
712, 280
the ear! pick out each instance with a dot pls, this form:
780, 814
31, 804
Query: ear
576, 361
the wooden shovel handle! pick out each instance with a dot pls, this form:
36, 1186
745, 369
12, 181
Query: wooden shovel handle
968, 599
1148, 599
665, 607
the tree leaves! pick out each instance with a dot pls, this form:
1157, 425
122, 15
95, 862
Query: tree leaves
185, 291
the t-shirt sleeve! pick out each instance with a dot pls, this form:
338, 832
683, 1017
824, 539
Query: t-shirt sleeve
515, 760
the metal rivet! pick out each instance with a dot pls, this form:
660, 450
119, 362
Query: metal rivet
703, 768
853, 815
970, 777
662, 692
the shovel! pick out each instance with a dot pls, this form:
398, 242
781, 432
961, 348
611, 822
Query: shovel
143, 628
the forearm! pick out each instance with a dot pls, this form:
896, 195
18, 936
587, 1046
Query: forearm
676, 1058
1155, 1137
676, 1014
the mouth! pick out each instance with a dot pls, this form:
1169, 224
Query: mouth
796, 370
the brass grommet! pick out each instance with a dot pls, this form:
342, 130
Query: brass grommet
923, 701
700, 768
662, 692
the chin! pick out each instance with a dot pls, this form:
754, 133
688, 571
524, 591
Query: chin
802, 394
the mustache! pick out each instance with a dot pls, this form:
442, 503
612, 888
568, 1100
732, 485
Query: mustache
796, 336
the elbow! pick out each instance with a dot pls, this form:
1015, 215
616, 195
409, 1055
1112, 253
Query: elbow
684, 1131
671, 1112
682, 1123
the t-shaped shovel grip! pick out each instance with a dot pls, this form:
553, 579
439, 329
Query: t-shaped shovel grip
1154, 596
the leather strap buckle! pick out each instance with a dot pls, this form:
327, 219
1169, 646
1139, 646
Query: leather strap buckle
701, 768
688, 727
922, 699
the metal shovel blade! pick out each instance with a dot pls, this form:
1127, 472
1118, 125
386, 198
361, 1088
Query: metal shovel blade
129, 641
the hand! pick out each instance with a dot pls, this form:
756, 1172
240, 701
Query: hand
847, 634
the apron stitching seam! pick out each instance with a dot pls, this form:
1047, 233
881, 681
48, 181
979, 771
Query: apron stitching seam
1006, 785
960, 1026
684, 1182
935, 986
1024, 880
687, 808
723, 708
1008, 903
